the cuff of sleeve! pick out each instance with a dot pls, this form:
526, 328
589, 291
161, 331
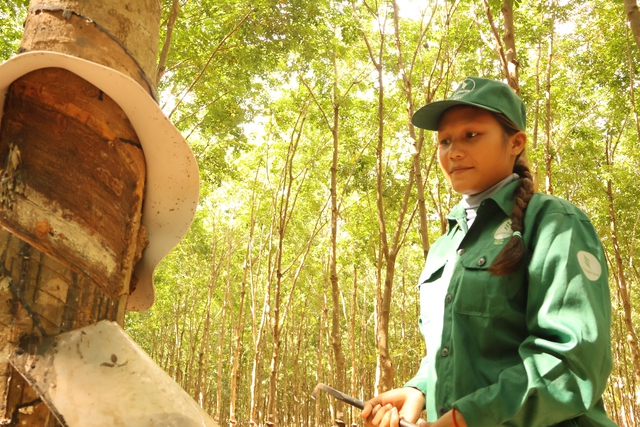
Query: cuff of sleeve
475, 414
418, 384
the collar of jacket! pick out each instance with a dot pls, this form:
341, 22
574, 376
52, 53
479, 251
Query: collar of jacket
503, 199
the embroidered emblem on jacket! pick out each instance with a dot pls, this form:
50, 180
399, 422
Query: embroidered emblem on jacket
503, 231
590, 265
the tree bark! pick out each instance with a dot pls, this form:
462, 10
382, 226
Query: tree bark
390, 243
320, 351
162, 62
121, 34
505, 47
353, 341
237, 347
283, 212
548, 118
633, 15
632, 90
535, 167
418, 140
336, 336
499, 46
72, 184
205, 340
384, 365
511, 56
281, 216
227, 302
624, 290
258, 343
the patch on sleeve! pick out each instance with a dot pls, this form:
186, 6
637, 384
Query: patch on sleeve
590, 265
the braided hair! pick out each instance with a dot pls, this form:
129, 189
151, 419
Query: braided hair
514, 252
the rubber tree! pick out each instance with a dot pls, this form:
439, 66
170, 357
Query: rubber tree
73, 184
633, 15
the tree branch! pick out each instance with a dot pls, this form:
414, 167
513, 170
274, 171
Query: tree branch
224, 39
175, 9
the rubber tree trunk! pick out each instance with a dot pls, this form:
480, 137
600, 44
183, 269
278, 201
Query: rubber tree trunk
633, 15
73, 184
511, 56
336, 336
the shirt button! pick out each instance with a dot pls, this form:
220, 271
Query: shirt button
449, 298
444, 352
481, 261
461, 251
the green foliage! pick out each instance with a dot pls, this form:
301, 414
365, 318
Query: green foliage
12, 15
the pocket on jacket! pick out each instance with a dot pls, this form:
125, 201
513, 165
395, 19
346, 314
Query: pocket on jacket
480, 293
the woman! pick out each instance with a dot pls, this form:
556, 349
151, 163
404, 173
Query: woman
515, 307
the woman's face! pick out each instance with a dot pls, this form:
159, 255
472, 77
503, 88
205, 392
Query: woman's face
473, 150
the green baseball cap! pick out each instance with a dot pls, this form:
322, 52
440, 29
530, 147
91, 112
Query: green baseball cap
488, 94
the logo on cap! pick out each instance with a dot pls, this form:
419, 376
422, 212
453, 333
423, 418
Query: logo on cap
464, 88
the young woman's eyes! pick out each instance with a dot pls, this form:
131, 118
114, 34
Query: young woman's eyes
468, 135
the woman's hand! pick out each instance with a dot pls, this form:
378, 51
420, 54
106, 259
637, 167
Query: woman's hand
386, 409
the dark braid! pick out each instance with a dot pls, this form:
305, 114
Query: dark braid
511, 256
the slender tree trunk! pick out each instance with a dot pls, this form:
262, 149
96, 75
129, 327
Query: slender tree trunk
237, 347
632, 89
258, 328
275, 315
178, 350
505, 47
499, 44
205, 339
51, 282
625, 291
353, 341
548, 118
282, 215
390, 244
627, 395
257, 361
535, 167
330, 358
336, 340
321, 352
511, 56
403, 333
633, 15
384, 312
223, 325
384, 365
418, 140
365, 386
295, 386
173, 347
162, 62
258, 331
618, 392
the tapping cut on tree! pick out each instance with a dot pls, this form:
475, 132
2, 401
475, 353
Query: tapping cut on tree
84, 221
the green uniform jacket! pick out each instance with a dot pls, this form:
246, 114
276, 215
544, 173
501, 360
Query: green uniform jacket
531, 349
